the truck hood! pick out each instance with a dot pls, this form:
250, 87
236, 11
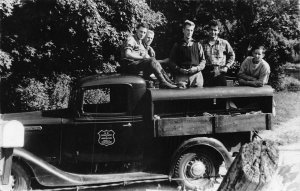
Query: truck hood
37, 117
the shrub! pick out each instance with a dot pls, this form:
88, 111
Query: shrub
59, 87
71, 37
31, 95
5, 63
288, 83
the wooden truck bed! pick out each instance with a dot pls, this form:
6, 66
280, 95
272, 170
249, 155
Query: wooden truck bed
212, 124
197, 111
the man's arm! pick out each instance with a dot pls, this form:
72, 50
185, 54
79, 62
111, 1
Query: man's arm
173, 56
264, 74
128, 50
248, 80
256, 83
242, 72
151, 52
201, 65
202, 61
246, 77
230, 55
131, 55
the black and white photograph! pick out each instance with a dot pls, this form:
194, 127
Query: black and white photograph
149, 95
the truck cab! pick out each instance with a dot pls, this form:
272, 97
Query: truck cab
117, 130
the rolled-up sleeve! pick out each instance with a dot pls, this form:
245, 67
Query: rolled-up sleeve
202, 60
264, 74
229, 54
129, 43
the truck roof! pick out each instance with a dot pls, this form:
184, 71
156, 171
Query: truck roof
108, 79
210, 92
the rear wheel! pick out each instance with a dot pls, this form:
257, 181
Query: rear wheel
20, 179
195, 170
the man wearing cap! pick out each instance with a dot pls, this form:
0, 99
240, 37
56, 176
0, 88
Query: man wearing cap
187, 59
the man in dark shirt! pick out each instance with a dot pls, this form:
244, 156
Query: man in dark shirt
187, 59
135, 58
219, 57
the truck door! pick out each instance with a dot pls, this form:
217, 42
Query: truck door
115, 139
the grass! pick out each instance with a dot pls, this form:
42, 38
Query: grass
287, 106
286, 124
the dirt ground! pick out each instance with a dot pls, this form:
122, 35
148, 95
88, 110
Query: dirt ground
287, 177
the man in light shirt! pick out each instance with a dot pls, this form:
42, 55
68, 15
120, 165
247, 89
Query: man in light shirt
135, 58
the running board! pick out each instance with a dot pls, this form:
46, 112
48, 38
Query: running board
48, 175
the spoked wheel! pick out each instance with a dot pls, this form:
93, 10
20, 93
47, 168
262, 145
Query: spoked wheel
195, 170
19, 179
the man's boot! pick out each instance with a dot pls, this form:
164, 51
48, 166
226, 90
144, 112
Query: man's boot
163, 82
167, 77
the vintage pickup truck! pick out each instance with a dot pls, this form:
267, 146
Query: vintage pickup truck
116, 130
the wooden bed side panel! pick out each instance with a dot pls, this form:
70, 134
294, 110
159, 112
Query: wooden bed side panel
241, 123
184, 126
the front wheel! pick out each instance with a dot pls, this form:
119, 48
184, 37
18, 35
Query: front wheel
195, 170
20, 179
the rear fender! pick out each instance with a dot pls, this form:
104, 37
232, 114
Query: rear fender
201, 141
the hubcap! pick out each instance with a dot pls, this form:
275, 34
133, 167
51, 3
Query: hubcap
197, 169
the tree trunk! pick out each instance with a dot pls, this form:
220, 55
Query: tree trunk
253, 168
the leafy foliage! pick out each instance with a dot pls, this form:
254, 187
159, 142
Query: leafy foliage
37, 94
31, 95
274, 23
45, 44
59, 88
6, 7
71, 37
5, 63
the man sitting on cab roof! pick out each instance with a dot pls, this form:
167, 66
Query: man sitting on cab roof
135, 58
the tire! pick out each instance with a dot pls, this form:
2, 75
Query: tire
195, 170
20, 178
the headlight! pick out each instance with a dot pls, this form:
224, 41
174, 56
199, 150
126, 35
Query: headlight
11, 134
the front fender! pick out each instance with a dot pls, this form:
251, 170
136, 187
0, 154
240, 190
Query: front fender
45, 173
201, 141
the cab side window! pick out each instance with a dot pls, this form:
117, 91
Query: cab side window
104, 99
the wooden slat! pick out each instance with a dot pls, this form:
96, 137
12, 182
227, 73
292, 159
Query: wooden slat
248, 122
184, 126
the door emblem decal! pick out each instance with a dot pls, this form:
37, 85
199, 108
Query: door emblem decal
106, 137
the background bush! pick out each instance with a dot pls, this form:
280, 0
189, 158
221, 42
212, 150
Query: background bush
47, 43
42, 40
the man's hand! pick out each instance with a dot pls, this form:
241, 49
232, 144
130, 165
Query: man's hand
145, 56
192, 70
183, 71
223, 69
216, 71
257, 83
